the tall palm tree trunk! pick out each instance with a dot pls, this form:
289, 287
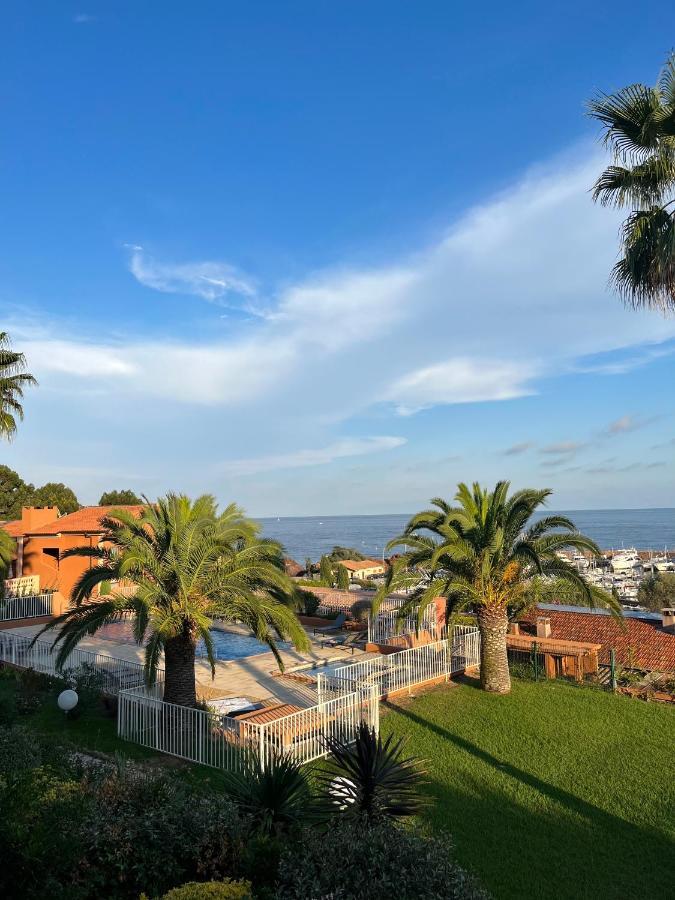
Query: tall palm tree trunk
179, 669
494, 663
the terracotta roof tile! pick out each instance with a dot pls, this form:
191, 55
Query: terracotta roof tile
639, 643
85, 520
15, 528
354, 565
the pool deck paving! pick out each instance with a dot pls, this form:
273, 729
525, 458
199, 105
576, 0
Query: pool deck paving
256, 677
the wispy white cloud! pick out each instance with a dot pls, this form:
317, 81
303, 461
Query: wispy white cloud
461, 380
212, 281
83, 19
563, 448
517, 449
321, 456
628, 423
514, 293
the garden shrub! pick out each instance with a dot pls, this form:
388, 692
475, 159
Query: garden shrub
211, 890
74, 833
87, 682
151, 833
361, 862
8, 710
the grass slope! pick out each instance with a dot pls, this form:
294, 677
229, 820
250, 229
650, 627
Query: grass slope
553, 791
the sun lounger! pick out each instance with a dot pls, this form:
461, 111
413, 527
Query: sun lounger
344, 642
337, 625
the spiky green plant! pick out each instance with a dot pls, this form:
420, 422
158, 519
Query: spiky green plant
13, 379
371, 777
278, 797
189, 564
639, 128
480, 555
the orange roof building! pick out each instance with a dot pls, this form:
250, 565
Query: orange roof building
42, 536
639, 642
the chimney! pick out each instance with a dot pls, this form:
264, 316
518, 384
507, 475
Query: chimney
668, 620
543, 627
37, 516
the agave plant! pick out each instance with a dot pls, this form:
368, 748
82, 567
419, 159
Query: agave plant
277, 797
371, 778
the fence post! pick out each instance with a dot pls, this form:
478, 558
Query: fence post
375, 706
612, 669
535, 661
261, 746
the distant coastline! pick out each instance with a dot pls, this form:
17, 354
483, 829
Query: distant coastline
302, 536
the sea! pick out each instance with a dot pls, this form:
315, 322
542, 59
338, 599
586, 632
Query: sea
611, 529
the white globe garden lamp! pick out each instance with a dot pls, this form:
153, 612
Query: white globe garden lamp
67, 700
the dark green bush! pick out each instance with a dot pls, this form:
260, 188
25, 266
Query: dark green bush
8, 710
211, 890
74, 833
88, 684
357, 862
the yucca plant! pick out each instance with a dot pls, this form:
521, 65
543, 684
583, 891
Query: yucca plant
371, 777
277, 797
481, 555
189, 564
13, 379
639, 128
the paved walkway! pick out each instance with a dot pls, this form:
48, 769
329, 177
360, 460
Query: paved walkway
256, 677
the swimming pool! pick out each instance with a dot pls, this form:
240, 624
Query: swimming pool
232, 645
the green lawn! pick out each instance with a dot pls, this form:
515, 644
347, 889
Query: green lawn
554, 791
94, 730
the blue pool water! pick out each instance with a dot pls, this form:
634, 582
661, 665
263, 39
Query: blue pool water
230, 645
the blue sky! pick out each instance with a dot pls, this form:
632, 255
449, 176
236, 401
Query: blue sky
326, 257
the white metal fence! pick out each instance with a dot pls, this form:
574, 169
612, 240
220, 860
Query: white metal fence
387, 625
222, 742
117, 674
25, 607
400, 671
193, 734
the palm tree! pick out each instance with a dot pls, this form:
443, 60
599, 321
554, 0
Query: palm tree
7, 549
189, 564
481, 555
639, 128
13, 379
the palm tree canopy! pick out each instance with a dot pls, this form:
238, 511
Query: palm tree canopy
7, 550
639, 129
13, 380
189, 564
483, 551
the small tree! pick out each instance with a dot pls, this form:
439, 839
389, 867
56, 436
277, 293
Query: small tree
342, 578
120, 498
326, 571
657, 591
14, 493
339, 553
56, 494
